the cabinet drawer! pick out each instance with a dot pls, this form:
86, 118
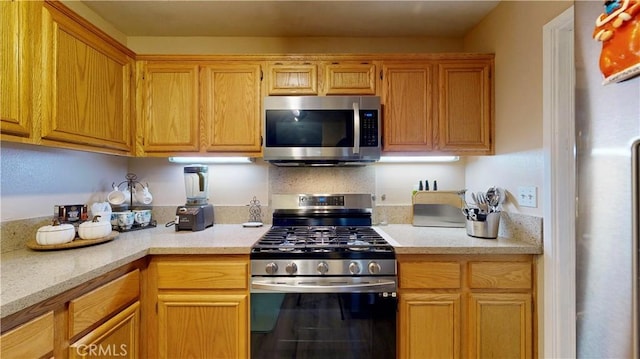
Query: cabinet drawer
202, 275
33, 339
508, 275
429, 275
92, 307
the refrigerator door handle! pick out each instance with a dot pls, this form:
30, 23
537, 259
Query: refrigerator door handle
635, 221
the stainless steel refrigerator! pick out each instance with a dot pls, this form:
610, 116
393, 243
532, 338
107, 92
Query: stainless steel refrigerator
607, 130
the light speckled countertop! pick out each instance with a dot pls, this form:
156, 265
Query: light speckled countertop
407, 239
28, 277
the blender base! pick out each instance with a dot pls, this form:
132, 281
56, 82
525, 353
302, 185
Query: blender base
194, 217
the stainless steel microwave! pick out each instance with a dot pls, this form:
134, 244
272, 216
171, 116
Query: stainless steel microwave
321, 130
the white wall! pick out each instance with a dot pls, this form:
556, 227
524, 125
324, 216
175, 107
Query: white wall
513, 31
34, 179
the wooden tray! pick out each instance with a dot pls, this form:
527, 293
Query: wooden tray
76, 243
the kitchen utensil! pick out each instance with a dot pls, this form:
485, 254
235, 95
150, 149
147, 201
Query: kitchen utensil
55, 233
143, 196
124, 220
94, 229
485, 226
118, 197
142, 216
195, 183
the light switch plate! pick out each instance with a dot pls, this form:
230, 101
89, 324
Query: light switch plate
528, 196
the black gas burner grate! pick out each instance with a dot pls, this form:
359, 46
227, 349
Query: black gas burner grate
321, 239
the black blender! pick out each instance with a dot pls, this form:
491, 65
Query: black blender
197, 213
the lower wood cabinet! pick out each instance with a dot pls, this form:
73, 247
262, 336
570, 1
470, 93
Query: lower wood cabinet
201, 307
33, 339
466, 306
118, 337
100, 318
500, 325
201, 325
431, 325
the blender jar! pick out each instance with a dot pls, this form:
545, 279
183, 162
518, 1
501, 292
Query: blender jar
196, 180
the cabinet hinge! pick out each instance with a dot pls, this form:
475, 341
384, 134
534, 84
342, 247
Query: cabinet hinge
261, 75
380, 74
261, 140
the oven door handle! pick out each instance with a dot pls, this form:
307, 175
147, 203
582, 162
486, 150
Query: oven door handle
370, 287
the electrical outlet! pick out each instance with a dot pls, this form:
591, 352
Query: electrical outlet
528, 196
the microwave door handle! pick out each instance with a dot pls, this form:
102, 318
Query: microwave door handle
356, 128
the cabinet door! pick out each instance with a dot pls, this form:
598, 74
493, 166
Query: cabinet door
33, 339
118, 337
170, 108
350, 79
500, 325
90, 88
292, 78
203, 325
464, 108
231, 104
408, 107
12, 51
429, 325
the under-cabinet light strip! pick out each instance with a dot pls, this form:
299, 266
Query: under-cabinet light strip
418, 159
203, 160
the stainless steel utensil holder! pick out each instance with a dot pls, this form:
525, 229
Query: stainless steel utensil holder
484, 229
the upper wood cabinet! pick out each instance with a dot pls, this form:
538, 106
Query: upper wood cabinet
170, 108
89, 87
349, 78
12, 48
464, 107
231, 104
198, 107
442, 105
408, 106
292, 78
321, 78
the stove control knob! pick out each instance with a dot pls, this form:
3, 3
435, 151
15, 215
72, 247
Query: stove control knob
291, 268
323, 267
374, 268
272, 268
354, 268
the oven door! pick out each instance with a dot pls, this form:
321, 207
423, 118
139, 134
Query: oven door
339, 321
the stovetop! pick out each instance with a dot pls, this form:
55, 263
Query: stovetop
350, 242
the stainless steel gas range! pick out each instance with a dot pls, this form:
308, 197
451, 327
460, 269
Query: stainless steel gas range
323, 281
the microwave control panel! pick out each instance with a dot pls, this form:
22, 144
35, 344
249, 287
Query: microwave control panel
369, 128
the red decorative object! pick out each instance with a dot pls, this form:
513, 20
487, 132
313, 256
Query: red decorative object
618, 28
